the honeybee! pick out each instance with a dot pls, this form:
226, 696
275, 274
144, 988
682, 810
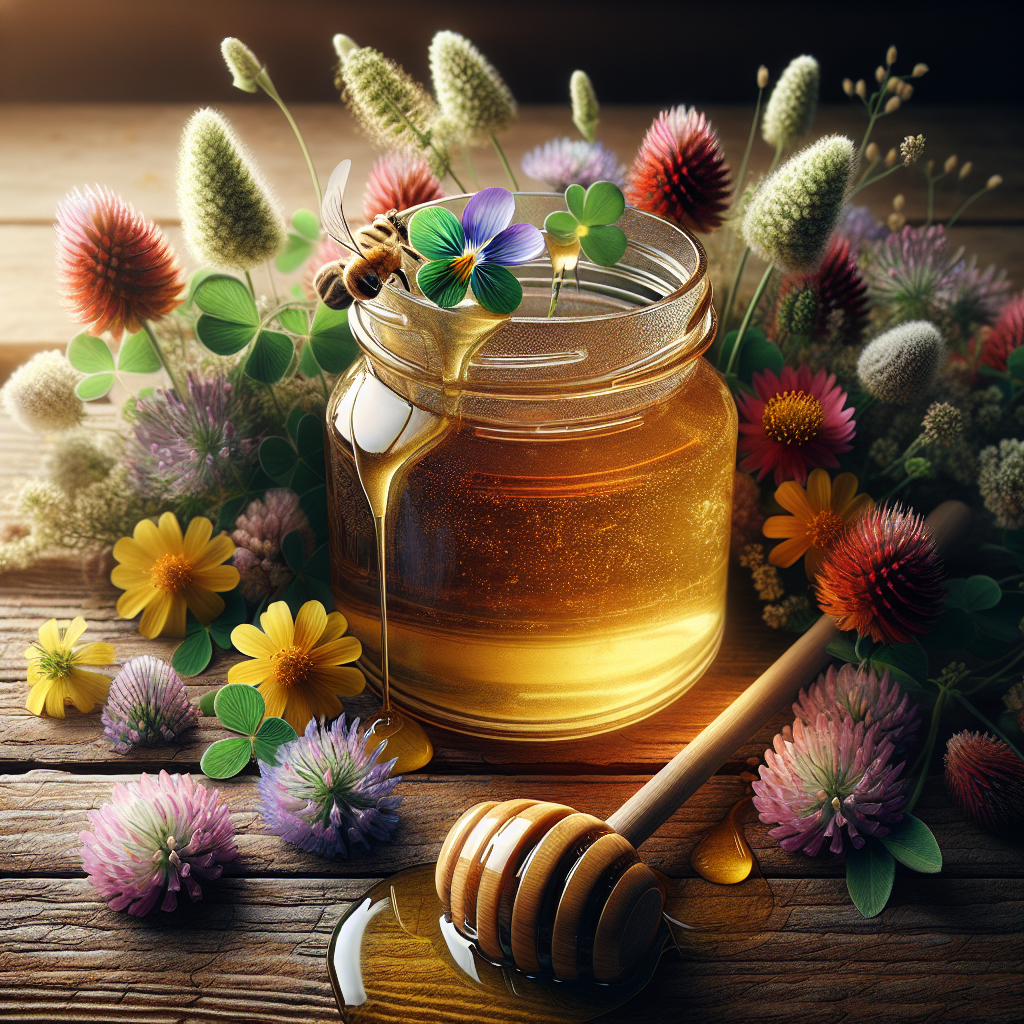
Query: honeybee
377, 250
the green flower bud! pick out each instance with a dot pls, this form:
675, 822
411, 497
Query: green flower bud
792, 215
901, 364
242, 63
41, 394
789, 113
585, 108
228, 213
470, 92
343, 46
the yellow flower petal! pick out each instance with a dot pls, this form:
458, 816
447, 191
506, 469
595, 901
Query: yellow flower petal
55, 694
844, 487
96, 653
783, 526
786, 553
127, 577
75, 629
297, 711
336, 652
170, 533
87, 689
132, 601
197, 536
36, 700
812, 562
819, 490
341, 679
277, 624
129, 552
336, 626
861, 504
309, 625
164, 616
275, 699
203, 603
220, 549
252, 641
148, 537
324, 703
793, 498
218, 577
251, 671
49, 635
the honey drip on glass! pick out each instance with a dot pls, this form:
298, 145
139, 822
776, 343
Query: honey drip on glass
723, 855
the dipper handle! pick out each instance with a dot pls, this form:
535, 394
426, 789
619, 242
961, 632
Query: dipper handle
645, 812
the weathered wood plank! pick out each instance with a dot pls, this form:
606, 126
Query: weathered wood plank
45, 810
944, 950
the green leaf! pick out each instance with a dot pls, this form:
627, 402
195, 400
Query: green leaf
227, 298
843, 649
137, 355
604, 245
910, 658
293, 547
991, 625
496, 288
295, 252
90, 355
869, 876
976, 594
294, 320
864, 646
314, 503
575, 197
309, 436
277, 458
308, 366
233, 615
197, 278
603, 204
333, 342
273, 732
436, 234
757, 354
307, 224
953, 631
561, 225
95, 386
1015, 363
222, 336
240, 708
226, 758
193, 654
911, 842
442, 285
206, 703
270, 356
294, 419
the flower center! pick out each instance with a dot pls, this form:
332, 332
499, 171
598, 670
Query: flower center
56, 664
825, 528
792, 417
582, 230
292, 666
462, 266
172, 573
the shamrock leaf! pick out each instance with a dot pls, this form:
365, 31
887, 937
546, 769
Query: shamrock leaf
312, 576
590, 221
193, 654
240, 708
300, 243
91, 356
299, 464
331, 341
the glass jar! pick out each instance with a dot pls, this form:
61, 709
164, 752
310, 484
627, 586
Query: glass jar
557, 560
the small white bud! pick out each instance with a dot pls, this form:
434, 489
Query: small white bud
892, 85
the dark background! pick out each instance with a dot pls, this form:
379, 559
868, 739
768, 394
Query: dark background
635, 52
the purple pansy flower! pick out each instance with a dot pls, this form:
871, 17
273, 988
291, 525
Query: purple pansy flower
474, 252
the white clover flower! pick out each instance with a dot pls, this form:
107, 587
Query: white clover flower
40, 395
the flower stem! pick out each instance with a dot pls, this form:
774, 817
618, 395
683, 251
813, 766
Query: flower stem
877, 177
182, 392
425, 142
263, 80
273, 286
988, 725
248, 278
963, 206
469, 164
742, 176
734, 355
731, 300
924, 759
556, 290
504, 162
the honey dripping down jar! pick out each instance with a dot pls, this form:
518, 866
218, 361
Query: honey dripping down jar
557, 533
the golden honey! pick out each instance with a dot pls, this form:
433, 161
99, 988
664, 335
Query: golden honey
556, 548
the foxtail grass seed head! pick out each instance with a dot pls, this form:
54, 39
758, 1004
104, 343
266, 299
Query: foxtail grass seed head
950, 165
848, 86
792, 215
920, 70
228, 213
343, 45
40, 395
891, 157
472, 96
873, 152
243, 64
901, 364
789, 113
994, 182
762, 77
965, 170
585, 108
912, 147
395, 111
861, 89
890, 56
892, 104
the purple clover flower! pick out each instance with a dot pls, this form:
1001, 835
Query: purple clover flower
861, 228
475, 251
327, 793
154, 836
188, 448
147, 705
826, 779
560, 163
912, 272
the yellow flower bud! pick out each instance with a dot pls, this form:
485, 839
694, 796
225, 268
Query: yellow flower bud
899, 201
994, 182
920, 70
895, 221
762, 77
892, 85
861, 89
890, 56
848, 86
892, 104
872, 152
880, 73
891, 157
966, 169
906, 91
950, 165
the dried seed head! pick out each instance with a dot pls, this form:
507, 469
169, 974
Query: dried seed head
848, 86
890, 56
789, 113
899, 201
950, 165
966, 169
892, 104
243, 64
861, 89
942, 424
919, 70
994, 182
901, 364
912, 147
585, 108
762, 77
872, 152
880, 74
891, 157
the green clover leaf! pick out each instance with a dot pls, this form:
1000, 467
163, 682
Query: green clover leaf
240, 708
590, 220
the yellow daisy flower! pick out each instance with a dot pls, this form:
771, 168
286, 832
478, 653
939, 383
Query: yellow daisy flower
820, 515
297, 666
163, 575
53, 671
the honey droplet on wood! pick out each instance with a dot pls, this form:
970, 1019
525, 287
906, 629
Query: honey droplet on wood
723, 855
405, 738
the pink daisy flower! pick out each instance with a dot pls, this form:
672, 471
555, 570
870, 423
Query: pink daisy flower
793, 424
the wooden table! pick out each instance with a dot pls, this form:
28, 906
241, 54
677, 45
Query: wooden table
947, 948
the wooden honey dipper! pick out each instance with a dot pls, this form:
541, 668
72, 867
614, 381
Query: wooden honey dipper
552, 890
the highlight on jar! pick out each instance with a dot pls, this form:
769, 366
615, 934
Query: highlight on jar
530, 465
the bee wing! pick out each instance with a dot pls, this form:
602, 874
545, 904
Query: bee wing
332, 212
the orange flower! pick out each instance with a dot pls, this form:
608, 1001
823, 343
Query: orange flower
164, 575
820, 515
